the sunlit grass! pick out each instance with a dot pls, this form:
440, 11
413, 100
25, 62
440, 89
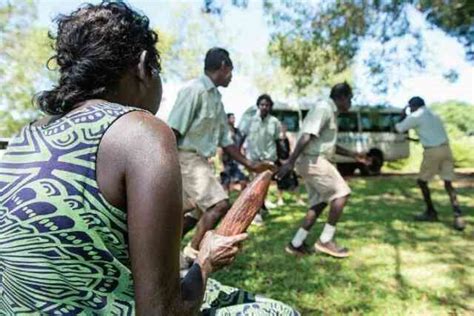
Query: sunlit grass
397, 267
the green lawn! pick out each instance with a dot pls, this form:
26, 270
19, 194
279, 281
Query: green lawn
397, 267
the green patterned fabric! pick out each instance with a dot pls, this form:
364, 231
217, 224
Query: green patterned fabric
222, 300
63, 247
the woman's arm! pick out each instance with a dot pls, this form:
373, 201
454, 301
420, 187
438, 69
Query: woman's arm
138, 171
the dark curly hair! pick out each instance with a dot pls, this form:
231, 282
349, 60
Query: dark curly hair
94, 47
265, 97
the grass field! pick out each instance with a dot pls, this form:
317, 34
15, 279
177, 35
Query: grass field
397, 267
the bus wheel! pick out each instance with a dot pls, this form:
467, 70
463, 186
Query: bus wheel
376, 166
346, 169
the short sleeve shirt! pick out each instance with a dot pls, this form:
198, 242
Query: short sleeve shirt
261, 137
247, 117
199, 117
427, 125
321, 122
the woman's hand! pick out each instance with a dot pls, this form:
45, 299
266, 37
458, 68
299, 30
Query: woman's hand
217, 251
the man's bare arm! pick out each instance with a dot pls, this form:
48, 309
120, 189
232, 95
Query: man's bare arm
303, 141
234, 152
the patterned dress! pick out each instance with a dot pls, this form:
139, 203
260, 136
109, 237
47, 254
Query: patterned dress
63, 247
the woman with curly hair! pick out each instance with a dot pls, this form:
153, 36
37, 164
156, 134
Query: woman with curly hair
90, 195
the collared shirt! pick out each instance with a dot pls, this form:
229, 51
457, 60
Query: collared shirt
427, 125
321, 122
262, 136
198, 115
247, 117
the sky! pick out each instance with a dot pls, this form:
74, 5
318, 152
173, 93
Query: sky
250, 36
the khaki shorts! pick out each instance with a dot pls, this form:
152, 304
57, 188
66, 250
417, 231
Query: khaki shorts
323, 182
201, 188
437, 160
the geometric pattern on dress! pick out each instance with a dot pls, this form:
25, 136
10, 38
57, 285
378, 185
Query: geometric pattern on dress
63, 247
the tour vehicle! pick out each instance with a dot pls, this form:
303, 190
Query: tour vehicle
364, 129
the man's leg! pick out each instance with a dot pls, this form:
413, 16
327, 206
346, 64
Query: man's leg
326, 243
430, 214
189, 222
335, 212
297, 246
459, 223
208, 221
312, 215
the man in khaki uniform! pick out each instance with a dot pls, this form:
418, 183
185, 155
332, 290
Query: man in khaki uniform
325, 185
262, 133
200, 124
437, 157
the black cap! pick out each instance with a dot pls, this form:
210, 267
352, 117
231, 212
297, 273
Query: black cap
416, 102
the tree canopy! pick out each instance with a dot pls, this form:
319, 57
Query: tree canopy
24, 50
316, 39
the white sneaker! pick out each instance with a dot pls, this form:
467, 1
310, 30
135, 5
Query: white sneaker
280, 203
300, 203
184, 265
270, 204
190, 254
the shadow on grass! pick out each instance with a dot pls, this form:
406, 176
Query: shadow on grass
388, 248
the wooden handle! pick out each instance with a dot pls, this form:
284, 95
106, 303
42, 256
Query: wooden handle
244, 209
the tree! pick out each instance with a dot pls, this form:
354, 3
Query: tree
24, 50
315, 40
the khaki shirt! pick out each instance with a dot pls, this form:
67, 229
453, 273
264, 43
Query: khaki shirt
427, 125
246, 118
321, 122
198, 115
262, 136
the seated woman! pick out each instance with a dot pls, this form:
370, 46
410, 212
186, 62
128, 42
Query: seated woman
90, 196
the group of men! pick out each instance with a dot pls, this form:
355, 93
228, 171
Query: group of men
200, 125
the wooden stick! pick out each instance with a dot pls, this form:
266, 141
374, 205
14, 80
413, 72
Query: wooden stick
244, 209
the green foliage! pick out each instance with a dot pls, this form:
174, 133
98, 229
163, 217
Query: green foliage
188, 38
458, 120
455, 17
24, 50
397, 267
314, 40
456, 115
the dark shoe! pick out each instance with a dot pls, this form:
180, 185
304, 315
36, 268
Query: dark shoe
459, 223
427, 216
331, 249
302, 250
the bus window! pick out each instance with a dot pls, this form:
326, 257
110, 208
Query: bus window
347, 122
289, 118
385, 122
396, 118
376, 122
